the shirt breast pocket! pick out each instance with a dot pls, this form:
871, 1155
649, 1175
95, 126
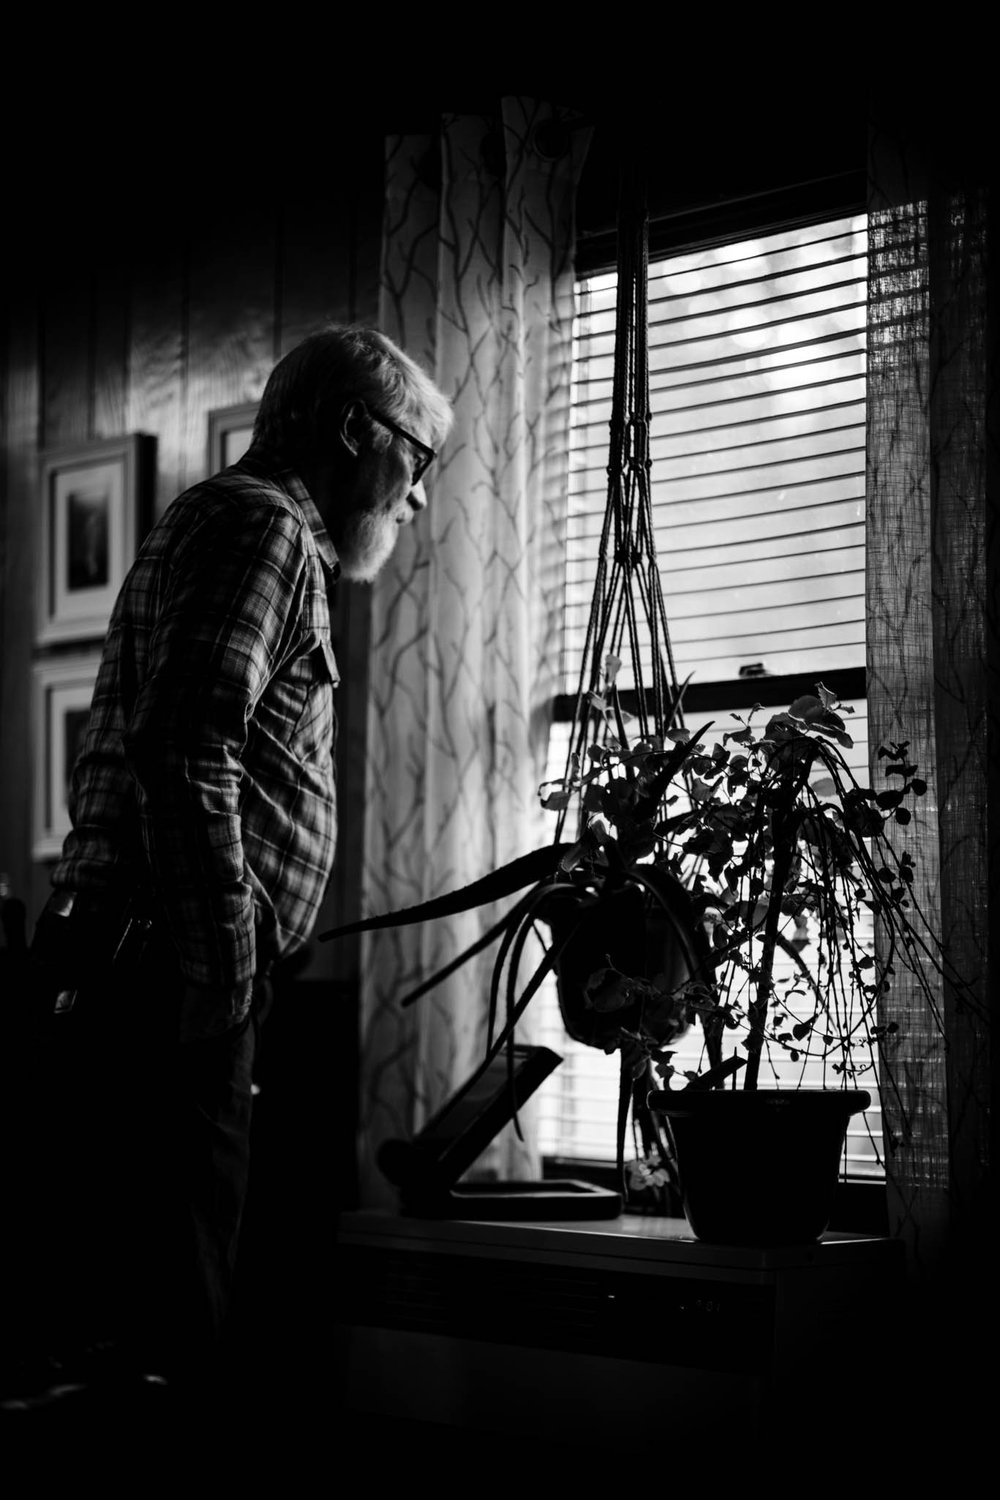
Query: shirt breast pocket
308, 692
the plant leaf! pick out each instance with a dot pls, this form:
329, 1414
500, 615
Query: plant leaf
505, 881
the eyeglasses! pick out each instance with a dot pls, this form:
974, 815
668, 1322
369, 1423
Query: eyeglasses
426, 456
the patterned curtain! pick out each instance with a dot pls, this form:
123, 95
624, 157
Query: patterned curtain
932, 651
477, 284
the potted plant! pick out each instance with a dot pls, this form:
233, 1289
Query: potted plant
734, 887
786, 857
789, 873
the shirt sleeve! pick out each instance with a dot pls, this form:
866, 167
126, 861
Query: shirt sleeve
228, 612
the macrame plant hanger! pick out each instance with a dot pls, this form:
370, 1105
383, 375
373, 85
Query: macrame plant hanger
628, 638
628, 594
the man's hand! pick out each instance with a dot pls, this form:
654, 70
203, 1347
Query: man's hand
208, 1012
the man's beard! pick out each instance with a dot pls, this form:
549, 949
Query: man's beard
366, 544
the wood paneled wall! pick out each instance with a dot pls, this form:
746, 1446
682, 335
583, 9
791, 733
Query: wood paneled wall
183, 305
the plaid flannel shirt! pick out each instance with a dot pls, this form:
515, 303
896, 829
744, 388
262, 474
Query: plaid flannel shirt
207, 767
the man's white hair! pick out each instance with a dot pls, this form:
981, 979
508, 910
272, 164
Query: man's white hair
307, 389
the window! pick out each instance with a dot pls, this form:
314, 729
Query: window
757, 392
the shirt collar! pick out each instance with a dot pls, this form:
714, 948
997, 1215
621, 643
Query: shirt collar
264, 465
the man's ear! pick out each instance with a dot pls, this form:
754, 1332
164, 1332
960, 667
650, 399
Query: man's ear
354, 426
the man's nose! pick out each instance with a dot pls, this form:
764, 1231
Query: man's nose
417, 498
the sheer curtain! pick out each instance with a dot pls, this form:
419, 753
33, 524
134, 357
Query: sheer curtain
932, 647
477, 284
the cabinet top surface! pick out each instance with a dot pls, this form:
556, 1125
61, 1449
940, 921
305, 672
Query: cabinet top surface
630, 1237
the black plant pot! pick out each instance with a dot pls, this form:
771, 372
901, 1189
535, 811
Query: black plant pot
758, 1166
644, 933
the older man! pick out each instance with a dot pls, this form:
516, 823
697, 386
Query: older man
204, 826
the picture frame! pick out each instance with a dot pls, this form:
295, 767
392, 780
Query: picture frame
63, 689
230, 430
94, 500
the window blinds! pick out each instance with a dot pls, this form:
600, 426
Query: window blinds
757, 385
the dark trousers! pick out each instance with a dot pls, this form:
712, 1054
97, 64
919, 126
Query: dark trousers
128, 1169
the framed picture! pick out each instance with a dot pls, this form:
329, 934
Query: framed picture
230, 429
63, 688
93, 505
